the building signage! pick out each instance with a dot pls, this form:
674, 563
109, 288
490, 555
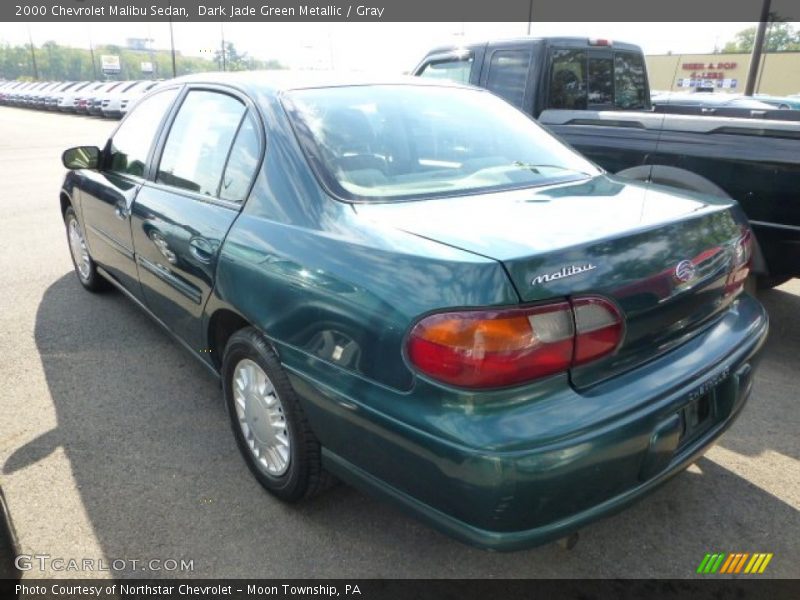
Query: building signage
110, 63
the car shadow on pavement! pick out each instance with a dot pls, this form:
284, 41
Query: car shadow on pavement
771, 419
159, 476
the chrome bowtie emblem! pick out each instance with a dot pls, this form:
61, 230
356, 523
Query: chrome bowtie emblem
685, 271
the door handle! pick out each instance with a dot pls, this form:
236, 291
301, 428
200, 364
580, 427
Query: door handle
202, 249
121, 210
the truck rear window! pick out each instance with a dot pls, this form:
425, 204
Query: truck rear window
580, 80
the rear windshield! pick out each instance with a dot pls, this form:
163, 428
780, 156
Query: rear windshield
384, 142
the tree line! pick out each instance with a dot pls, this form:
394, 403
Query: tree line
62, 63
779, 37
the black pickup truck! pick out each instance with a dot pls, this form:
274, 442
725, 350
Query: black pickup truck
595, 95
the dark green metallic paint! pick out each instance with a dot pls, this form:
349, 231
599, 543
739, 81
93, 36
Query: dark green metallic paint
336, 287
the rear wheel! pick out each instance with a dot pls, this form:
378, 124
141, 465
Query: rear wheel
269, 425
85, 267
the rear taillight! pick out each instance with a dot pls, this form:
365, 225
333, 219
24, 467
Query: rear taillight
598, 329
740, 265
503, 347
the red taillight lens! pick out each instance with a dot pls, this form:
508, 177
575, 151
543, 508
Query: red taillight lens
740, 266
494, 348
598, 326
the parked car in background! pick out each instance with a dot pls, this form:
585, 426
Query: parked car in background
83, 99
595, 95
95, 105
53, 97
519, 342
710, 102
783, 102
116, 104
66, 100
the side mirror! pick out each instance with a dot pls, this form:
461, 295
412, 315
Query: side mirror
81, 157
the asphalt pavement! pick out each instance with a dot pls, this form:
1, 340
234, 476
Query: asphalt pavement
115, 444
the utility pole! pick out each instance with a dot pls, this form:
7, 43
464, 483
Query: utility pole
33, 54
94, 67
530, 15
222, 35
758, 48
172, 47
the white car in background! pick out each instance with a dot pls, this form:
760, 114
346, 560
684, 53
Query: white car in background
116, 104
67, 99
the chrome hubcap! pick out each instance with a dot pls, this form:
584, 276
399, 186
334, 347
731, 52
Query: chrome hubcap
77, 246
261, 418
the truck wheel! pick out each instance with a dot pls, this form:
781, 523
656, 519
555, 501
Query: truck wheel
674, 177
686, 180
269, 425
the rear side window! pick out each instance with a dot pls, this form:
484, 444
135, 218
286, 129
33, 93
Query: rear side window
242, 162
629, 81
508, 75
199, 140
132, 141
456, 69
568, 80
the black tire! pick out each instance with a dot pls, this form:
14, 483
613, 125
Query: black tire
92, 281
304, 476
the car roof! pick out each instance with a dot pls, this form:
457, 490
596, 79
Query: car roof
274, 82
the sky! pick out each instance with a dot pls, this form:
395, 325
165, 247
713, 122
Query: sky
394, 47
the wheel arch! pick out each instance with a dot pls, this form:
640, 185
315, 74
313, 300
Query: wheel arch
65, 201
222, 324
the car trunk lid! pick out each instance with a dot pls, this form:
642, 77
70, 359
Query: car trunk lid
662, 256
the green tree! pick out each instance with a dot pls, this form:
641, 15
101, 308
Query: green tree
779, 37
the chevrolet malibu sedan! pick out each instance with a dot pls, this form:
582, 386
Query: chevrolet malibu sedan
412, 287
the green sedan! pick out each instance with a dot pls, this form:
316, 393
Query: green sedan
411, 286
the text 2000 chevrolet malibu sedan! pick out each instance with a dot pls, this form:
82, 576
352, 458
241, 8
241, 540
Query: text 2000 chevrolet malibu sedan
414, 287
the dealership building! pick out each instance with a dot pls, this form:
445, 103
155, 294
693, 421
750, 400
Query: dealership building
779, 74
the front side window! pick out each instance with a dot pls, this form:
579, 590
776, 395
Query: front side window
132, 141
401, 141
199, 140
508, 75
568, 80
455, 69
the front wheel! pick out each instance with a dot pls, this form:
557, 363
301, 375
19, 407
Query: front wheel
270, 427
85, 267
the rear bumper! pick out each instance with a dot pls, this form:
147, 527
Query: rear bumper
533, 470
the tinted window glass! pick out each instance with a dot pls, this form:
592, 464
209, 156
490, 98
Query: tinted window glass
241, 163
457, 69
568, 80
131, 143
508, 75
420, 141
629, 81
199, 140
601, 80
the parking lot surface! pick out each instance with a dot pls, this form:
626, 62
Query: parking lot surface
115, 444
